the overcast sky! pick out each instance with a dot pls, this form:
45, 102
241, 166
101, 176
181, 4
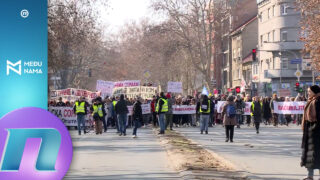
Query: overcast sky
122, 11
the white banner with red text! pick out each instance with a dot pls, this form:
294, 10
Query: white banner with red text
183, 109
68, 117
292, 107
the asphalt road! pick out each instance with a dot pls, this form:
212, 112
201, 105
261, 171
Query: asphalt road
273, 154
109, 156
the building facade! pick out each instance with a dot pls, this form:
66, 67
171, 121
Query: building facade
244, 39
279, 49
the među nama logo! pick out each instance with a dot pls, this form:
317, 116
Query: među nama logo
27, 67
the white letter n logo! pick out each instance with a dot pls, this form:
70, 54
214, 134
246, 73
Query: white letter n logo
10, 66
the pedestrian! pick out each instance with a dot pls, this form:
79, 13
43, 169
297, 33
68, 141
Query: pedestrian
98, 113
80, 109
137, 116
229, 118
114, 114
162, 109
204, 107
122, 113
169, 121
266, 110
256, 113
240, 105
154, 113
248, 117
298, 117
274, 115
311, 132
60, 103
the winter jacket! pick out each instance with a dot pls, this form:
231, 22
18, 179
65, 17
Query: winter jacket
227, 120
169, 106
121, 107
256, 111
311, 139
137, 111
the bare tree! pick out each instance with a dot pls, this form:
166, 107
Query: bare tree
310, 10
190, 21
74, 40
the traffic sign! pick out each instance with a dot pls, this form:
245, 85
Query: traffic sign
298, 73
295, 61
147, 74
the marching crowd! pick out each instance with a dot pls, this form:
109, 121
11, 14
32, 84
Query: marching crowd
106, 114
113, 111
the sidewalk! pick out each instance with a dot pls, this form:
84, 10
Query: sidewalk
272, 154
109, 156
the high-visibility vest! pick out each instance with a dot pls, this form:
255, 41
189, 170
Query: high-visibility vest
114, 104
164, 106
252, 107
97, 109
209, 109
80, 108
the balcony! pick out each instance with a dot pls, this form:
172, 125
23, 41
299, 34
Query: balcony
277, 46
285, 73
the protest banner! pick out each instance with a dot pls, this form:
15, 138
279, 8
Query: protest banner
68, 117
184, 109
105, 87
174, 87
220, 105
72, 94
145, 92
128, 83
130, 92
292, 107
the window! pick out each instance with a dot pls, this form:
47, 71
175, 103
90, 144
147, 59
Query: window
239, 52
284, 36
261, 40
268, 37
234, 54
255, 69
274, 11
261, 17
239, 75
273, 34
284, 63
269, 13
284, 9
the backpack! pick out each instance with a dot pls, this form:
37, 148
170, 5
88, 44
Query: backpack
231, 111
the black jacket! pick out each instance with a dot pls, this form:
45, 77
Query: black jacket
137, 111
121, 107
211, 106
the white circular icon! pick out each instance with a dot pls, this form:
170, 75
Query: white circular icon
24, 13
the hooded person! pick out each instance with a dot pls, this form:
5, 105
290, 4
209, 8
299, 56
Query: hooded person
311, 132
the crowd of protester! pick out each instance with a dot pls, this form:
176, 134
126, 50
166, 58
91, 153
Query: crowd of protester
113, 112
